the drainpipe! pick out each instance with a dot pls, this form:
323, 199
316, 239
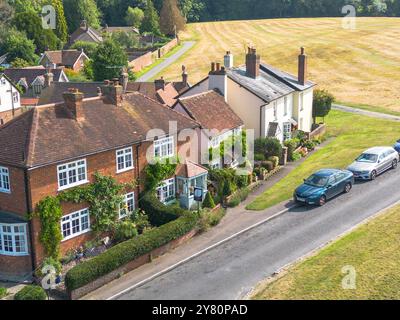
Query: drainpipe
138, 169
261, 118
30, 225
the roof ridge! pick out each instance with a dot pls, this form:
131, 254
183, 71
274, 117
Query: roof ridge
30, 145
198, 94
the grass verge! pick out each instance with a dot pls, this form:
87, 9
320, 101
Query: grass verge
351, 135
371, 251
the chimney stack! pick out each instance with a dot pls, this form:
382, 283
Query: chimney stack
212, 66
73, 103
112, 92
160, 84
217, 79
84, 25
228, 60
302, 67
124, 78
184, 76
252, 63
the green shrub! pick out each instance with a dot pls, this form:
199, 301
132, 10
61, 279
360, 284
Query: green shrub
127, 251
31, 292
3, 292
268, 165
234, 201
297, 156
210, 219
241, 181
259, 157
208, 201
227, 190
243, 194
125, 230
158, 213
309, 145
274, 160
217, 199
268, 146
292, 145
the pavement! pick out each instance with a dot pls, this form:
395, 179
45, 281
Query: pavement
167, 62
367, 113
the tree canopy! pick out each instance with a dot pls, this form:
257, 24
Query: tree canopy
151, 21
322, 103
171, 20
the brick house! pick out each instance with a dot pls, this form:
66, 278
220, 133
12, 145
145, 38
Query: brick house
70, 59
53, 148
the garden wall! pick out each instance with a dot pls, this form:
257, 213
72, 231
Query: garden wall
317, 132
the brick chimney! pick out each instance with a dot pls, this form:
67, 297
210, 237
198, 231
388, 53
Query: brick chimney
84, 25
124, 78
184, 76
252, 63
217, 79
302, 67
73, 103
112, 92
160, 84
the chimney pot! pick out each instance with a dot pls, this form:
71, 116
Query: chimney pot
218, 66
212, 66
184, 76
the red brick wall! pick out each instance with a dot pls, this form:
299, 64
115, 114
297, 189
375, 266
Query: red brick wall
14, 202
7, 115
141, 62
14, 267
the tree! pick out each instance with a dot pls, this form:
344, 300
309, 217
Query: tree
6, 13
322, 103
108, 60
192, 10
171, 20
19, 63
209, 201
78, 10
17, 45
31, 23
150, 22
88, 47
61, 23
125, 39
134, 17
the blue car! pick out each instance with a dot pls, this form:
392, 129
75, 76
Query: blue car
397, 146
324, 185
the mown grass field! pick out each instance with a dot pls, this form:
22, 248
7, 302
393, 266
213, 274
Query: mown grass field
360, 66
372, 250
351, 134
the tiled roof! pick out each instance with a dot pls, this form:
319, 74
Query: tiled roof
125, 29
211, 111
45, 135
30, 74
86, 34
64, 57
190, 170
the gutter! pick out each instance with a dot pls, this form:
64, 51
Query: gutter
30, 225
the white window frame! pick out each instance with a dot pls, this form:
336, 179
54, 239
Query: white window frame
287, 125
129, 199
15, 97
3, 81
168, 188
168, 143
72, 217
4, 180
12, 235
124, 154
68, 175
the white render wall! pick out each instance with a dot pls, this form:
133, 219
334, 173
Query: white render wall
6, 97
304, 116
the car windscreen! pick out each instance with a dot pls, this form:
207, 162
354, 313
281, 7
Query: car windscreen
317, 181
368, 157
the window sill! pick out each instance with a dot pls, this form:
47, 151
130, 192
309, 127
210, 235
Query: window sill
5, 191
75, 235
73, 185
12, 254
125, 170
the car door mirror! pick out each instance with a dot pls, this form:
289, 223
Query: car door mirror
329, 186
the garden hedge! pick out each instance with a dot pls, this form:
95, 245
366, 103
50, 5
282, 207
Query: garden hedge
158, 213
31, 292
127, 251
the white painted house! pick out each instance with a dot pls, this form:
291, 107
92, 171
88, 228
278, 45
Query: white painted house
10, 100
272, 102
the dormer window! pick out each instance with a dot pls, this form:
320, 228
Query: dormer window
37, 88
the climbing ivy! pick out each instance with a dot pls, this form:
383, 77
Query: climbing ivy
158, 172
104, 199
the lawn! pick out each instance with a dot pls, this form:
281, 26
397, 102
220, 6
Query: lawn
372, 250
360, 66
350, 134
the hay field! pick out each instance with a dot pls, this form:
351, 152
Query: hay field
360, 66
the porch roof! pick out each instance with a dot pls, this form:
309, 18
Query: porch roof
190, 170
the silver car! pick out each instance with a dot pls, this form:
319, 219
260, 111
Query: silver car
374, 161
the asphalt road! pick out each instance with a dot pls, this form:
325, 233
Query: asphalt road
367, 113
168, 61
232, 269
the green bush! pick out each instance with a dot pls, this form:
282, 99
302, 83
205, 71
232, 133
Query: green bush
210, 219
125, 230
296, 156
241, 181
259, 157
268, 165
274, 160
292, 145
31, 292
227, 190
208, 201
127, 251
309, 145
234, 201
269, 147
3, 292
217, 199
158, 213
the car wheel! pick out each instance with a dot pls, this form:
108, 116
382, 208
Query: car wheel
373, 175
394, 164
322, 201
347, 188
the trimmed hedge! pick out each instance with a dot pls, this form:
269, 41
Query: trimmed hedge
158, 213
127, 251
31, 292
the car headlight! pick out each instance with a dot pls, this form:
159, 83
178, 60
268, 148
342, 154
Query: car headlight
364, 172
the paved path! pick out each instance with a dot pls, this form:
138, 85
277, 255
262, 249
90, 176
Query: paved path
366, 112
231, 270
167, 62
